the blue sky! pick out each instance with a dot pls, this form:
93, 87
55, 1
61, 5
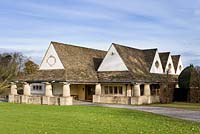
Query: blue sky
28, 26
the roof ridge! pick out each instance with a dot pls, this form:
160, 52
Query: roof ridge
176, 55
149, 49
126, 46
135, 48
164, 52
64, 44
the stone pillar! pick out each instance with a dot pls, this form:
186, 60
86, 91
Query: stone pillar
48, 91
66, 90
129, 90
98, 89
13, 89
27, 89
136, 90
147, 90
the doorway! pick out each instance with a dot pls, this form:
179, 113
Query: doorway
89, 92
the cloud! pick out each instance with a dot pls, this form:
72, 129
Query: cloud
168, 25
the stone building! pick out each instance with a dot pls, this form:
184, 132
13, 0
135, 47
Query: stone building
121, 75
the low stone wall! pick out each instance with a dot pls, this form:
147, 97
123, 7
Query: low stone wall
42, 100
126, 100
110, 99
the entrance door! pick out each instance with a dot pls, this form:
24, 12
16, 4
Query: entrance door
89, 92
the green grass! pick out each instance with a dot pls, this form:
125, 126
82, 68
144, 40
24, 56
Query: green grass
34, 119
181, 105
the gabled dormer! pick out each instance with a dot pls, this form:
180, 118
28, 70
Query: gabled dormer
167, 63
152, 57
51, 60
112, 61
178, 64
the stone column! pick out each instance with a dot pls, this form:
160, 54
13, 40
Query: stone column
147, 90
27, 89
98, 89
13, 89
129, 90
136, 90
48, 91
66, 90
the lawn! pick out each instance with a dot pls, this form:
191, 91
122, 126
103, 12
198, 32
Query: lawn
34, 119
189, 106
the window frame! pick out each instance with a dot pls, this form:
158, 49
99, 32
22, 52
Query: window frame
113, 90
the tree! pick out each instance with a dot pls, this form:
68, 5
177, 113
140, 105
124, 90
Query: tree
11, 65
30, 67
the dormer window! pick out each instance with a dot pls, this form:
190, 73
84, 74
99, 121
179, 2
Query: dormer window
112, 53
180, 67
169, 66
157, 64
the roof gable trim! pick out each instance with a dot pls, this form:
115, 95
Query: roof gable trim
51, 60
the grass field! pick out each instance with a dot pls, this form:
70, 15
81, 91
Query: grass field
189, 106
34, 119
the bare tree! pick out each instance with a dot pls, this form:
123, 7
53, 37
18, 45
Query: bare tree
11, 64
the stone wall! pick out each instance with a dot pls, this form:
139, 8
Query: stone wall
44, 100
126, 100
110, 99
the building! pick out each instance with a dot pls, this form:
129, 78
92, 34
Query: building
121, 75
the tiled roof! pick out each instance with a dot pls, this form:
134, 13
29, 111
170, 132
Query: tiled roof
175, 59
164, 58
81, 66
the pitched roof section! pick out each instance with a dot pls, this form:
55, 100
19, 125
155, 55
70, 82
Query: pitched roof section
164, 58
80, 63
44, 76
149, 56
175, 59
115, 76
137, 61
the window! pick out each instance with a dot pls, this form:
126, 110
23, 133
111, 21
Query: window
106, 89
180, 67
120, 90
113, 90
37, 87
110, 90
112, 53
141, 90
157, 64
170, 66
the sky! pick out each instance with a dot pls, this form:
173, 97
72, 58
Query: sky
28, 26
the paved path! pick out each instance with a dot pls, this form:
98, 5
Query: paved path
170, 112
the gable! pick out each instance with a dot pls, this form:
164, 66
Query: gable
134, 59
179, 67
112, 61
164, 59
169, 66
156, 65
51, 60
